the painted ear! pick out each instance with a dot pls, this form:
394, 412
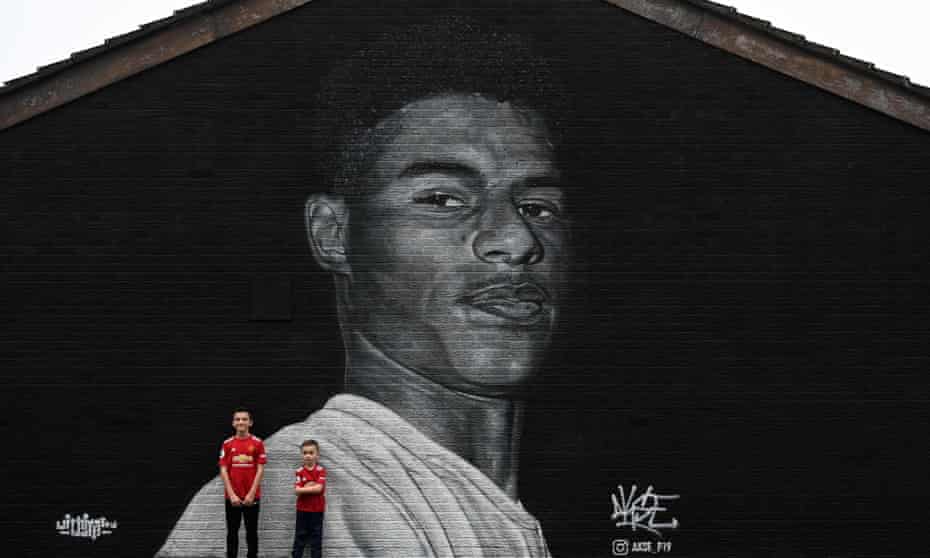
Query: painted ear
326, 217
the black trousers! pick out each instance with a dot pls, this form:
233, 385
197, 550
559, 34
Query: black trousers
234, 515
308, 532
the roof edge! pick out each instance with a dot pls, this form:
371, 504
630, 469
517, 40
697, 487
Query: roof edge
162, 43
714, 24
791, 56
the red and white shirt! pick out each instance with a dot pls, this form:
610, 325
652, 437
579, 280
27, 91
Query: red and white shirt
241, 457
311, 502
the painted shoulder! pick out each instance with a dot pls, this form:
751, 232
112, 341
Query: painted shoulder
201, 530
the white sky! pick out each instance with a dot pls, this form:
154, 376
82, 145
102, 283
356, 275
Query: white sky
892, 33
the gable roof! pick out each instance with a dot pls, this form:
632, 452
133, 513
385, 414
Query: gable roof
791, 54
126, 55
715, 24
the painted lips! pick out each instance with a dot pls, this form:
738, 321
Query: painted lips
522, 303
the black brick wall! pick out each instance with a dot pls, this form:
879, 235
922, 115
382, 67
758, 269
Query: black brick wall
750, 331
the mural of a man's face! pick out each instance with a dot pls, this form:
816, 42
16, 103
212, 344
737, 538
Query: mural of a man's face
456, 244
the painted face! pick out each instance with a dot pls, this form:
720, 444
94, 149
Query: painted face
457, 243
310, 455
241, 422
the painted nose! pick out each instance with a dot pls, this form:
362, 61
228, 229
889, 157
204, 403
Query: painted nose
505, 238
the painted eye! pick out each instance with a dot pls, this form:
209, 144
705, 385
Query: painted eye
537, 210
438, 199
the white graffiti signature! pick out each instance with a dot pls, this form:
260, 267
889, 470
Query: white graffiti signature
639, 512
84, 526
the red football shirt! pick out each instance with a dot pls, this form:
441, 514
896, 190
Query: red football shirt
241, 457
311, 502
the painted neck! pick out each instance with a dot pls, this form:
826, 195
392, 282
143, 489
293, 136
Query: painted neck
484, 431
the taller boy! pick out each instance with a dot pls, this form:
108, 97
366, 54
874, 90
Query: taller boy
242, 464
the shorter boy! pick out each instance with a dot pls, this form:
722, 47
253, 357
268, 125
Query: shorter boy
309, 486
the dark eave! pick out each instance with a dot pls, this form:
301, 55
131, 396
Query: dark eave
123, 56
791, 54
715, 24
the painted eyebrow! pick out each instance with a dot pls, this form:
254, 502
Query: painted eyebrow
541, 181
439, 167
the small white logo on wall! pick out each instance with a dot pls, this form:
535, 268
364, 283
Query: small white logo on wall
639, 511
644, 511
625, 547
85, 527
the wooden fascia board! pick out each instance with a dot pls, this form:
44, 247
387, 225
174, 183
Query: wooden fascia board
123, 61
178, 38
782, 56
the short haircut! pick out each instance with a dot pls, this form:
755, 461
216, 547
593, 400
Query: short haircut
242, 410
310, 443
451, 55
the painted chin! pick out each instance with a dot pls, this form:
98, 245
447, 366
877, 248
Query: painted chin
497, 349
497, 370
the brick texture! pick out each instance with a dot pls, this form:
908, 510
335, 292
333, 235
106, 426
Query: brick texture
749, 328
